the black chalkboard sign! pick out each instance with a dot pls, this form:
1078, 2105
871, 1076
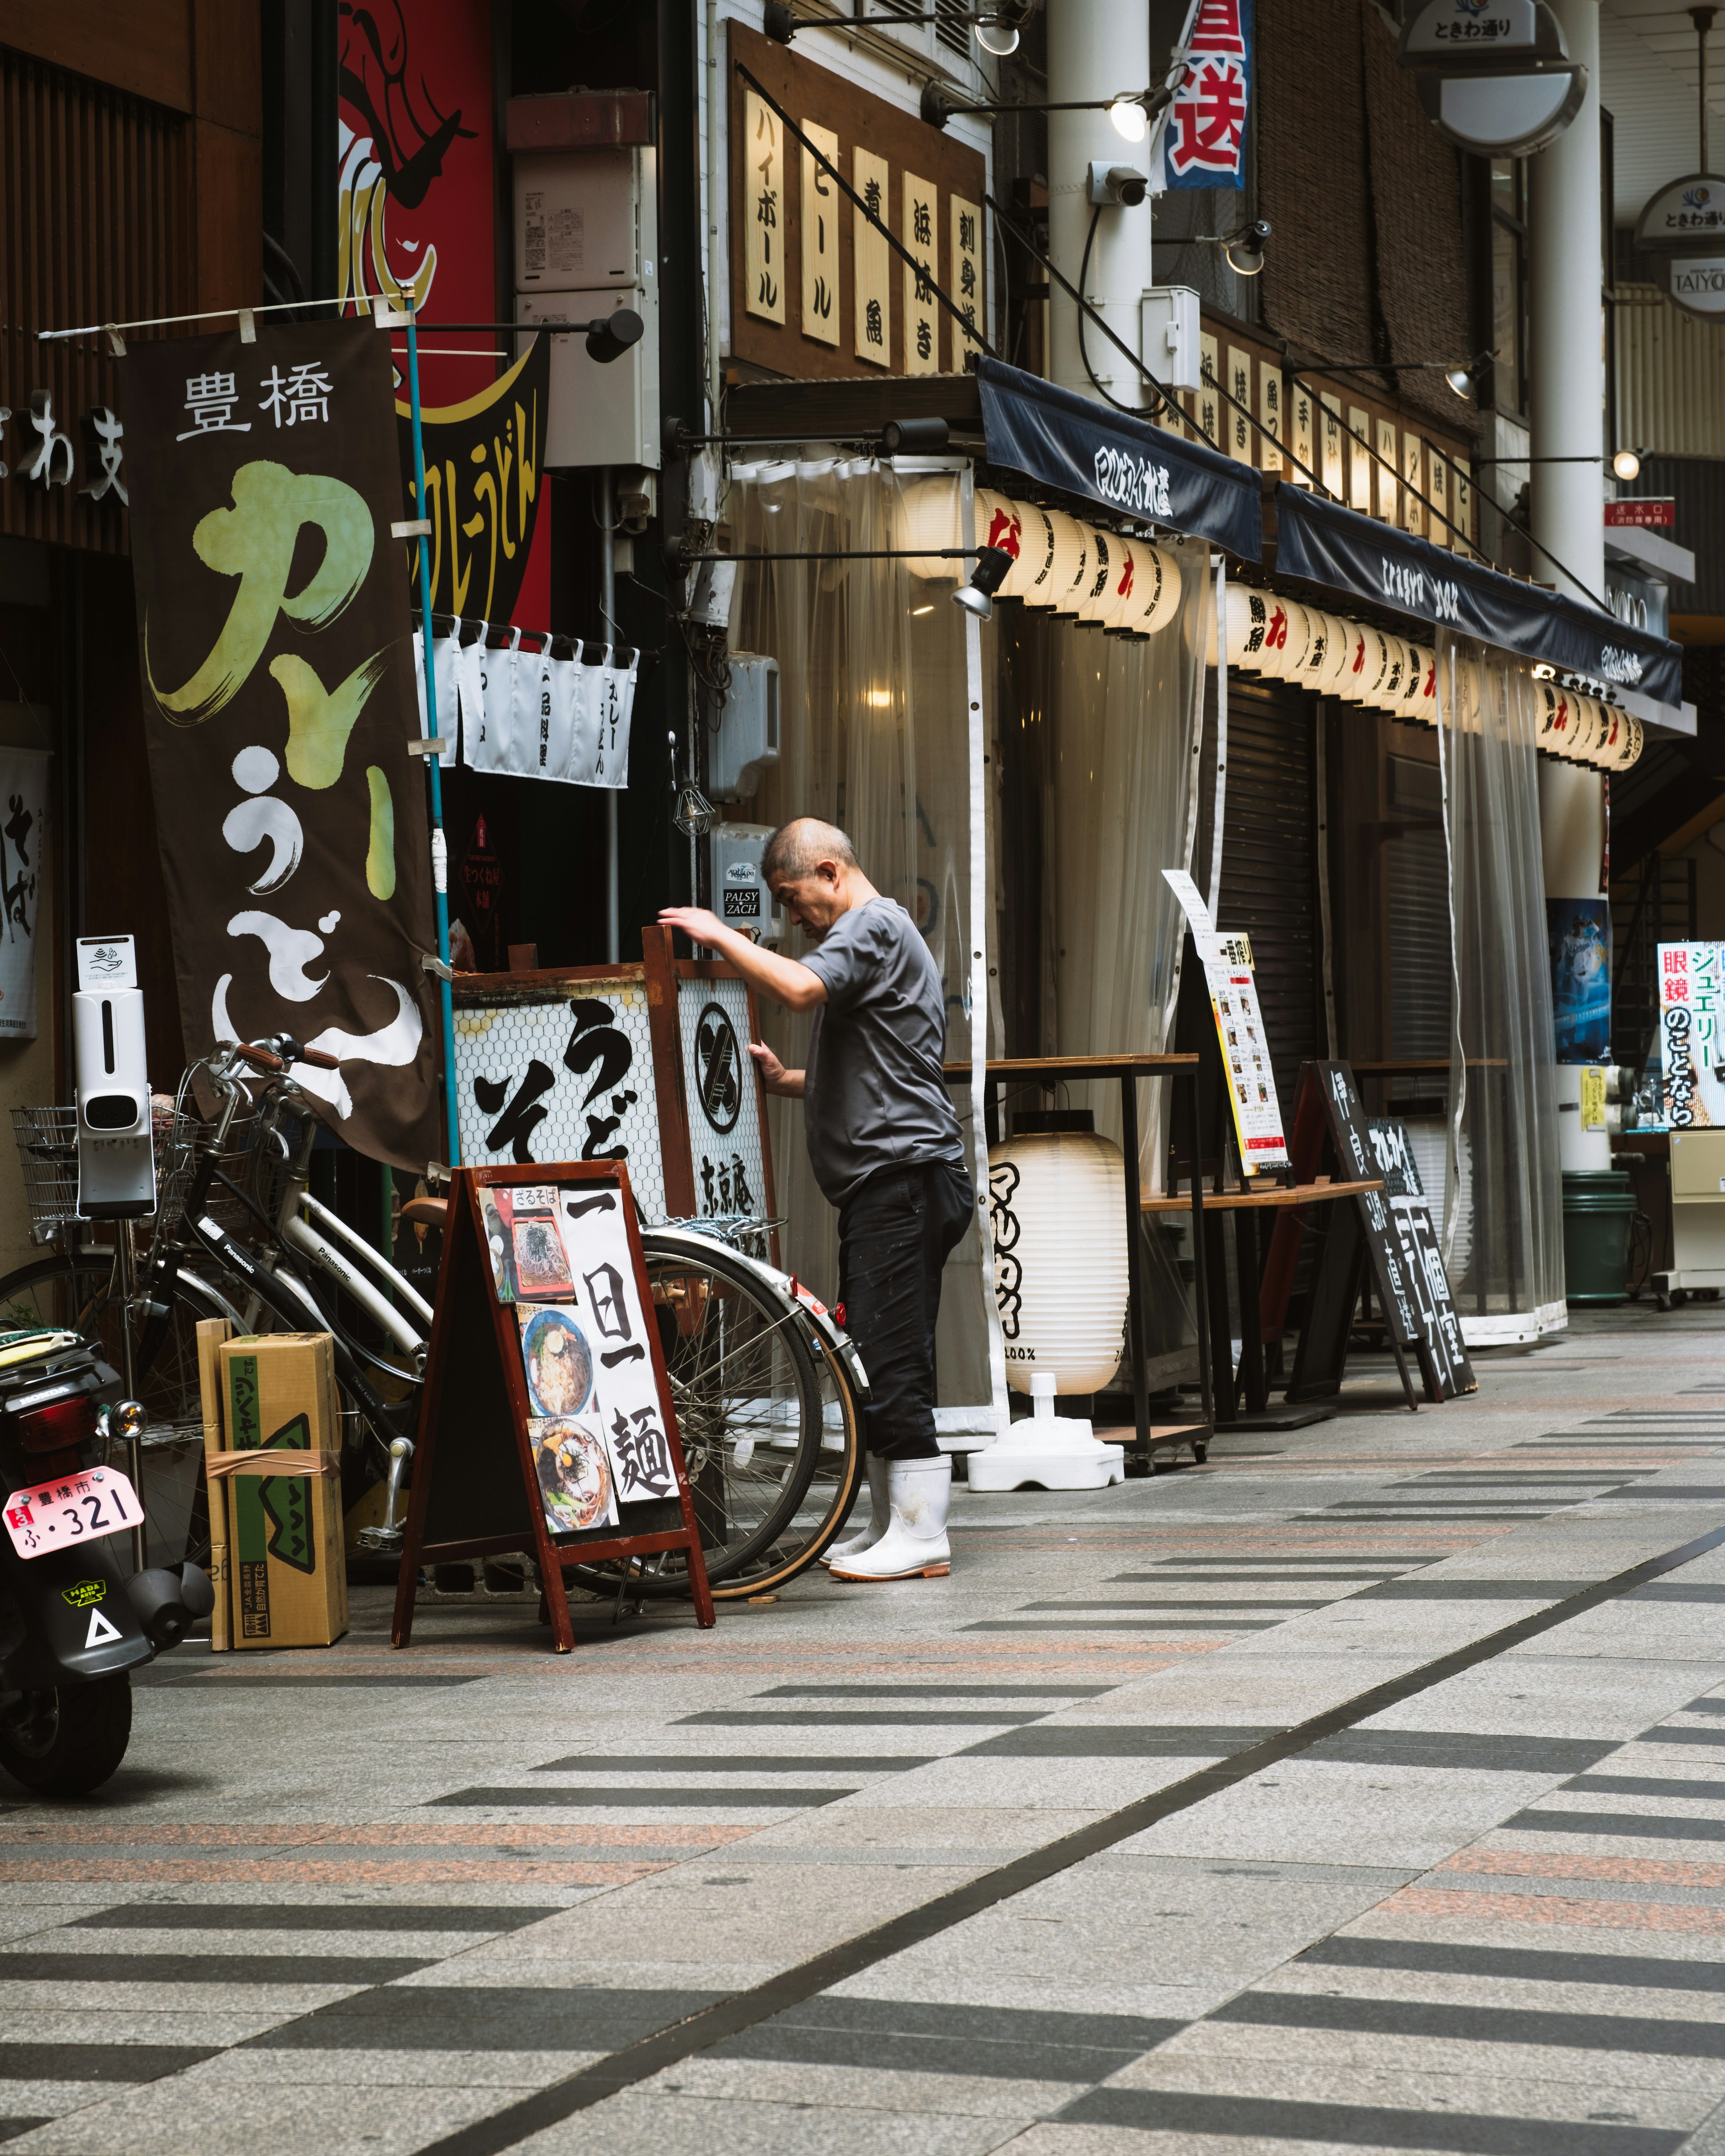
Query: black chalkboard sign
1438, 1341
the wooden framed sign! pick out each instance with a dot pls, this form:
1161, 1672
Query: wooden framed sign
547, 1424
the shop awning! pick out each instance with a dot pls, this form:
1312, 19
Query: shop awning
1122, 464
1327, 544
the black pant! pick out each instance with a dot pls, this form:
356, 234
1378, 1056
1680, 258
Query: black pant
896, 1230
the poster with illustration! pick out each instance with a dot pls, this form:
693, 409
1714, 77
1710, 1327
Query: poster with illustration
585, 1357
1580, 933
1691, 1050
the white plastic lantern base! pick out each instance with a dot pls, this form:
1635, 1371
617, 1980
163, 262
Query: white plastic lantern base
1058, 1452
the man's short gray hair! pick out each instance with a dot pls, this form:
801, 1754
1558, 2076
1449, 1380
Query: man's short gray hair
797, 849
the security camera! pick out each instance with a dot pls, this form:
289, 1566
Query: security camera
1116, 186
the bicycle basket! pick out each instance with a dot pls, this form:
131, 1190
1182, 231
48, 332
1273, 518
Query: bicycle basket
47, 1153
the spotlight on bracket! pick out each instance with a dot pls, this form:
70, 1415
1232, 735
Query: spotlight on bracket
1626, 464
993, 564
1244, 250
915, 437
608, 336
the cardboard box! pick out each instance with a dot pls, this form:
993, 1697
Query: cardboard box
212, 1333
288, 1579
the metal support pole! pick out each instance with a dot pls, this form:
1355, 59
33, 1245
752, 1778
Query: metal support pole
1135, 1258
608, 608
124, 1256
1200, 1285
439, 846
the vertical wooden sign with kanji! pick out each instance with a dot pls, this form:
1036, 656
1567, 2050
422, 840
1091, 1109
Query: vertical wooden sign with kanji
547, 1425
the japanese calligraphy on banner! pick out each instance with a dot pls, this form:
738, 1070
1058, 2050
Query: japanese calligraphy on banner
965, 261
923, 326
820, 239
873, 260
1692, 1052
23, 824
1204, 136
764, 211
482, 468
273, 634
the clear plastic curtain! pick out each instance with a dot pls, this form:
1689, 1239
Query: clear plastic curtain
1128, 715
873, 729
1503, 1236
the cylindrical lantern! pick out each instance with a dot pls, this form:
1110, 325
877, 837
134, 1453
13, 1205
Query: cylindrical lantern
1057, 1207
1554, 718
1592, 725
1289, 637
1159, 587
930, 520
1338, 654
1352, 687
1394, 675
998, 524
1247, 628
1031, 577
1071, 563
1125, 586
1096, 599
1632, 749
1411, 703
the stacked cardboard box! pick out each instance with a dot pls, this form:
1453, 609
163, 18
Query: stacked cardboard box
276, 1541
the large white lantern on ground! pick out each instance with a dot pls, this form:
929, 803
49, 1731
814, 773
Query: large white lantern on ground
1057, 1208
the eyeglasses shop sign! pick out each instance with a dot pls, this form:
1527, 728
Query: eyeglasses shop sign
1698, 285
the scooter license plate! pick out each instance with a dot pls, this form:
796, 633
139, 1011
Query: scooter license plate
76, 1508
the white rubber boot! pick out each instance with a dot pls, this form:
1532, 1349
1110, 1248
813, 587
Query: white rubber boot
881, 1515
915, 1546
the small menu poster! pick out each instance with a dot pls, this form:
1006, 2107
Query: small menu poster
1227, 962
561, 1255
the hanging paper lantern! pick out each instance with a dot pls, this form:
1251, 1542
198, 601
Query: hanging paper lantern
1350, 687
1554, 720
1319, 644
1096, 598
1159, 587
1071, 563
1289, 633
1591, 728
1411, 702
1246, 628
1633, 746
931, 520
1126, 587
1031, 577
998, 524
1057, 1208
1338, 652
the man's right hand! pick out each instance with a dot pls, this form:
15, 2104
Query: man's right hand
773, 1074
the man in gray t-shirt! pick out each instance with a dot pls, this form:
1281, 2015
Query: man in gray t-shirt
886, 1149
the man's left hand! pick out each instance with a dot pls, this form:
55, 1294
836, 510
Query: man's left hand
698, 924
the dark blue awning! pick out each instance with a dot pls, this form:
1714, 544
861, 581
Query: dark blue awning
1327, 544
1122, 464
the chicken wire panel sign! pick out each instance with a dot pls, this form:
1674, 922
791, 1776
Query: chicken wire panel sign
562, 1077
721, 1086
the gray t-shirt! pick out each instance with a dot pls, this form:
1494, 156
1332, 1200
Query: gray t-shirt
873, 1093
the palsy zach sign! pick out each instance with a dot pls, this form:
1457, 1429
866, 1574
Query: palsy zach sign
279, 697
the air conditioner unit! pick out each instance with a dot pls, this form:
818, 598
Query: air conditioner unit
747, 742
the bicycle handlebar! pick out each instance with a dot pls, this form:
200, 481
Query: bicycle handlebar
260, 1057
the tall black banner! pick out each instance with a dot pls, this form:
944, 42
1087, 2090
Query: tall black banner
279, 701
1126, 465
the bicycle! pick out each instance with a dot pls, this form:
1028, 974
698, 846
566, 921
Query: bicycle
767, 1387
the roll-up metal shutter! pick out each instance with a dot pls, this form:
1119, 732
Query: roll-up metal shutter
1270, 868
1417, 892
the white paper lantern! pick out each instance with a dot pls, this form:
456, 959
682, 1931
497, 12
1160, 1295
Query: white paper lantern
1071, 563
1320, 642
1290, 635
1413, 702
1351, 686
1246, 628
1158, 587
1338, 653
1031, 577
931, 520
1632, 748
1125, 586
1559, 719
1057, 1207
1096, 599
1591, 729
998, 524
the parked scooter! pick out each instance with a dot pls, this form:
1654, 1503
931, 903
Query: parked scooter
74, 1619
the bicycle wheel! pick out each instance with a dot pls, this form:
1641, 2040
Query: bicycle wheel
80, 1291
770, 1447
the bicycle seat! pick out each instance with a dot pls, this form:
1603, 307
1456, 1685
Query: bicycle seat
426, 1211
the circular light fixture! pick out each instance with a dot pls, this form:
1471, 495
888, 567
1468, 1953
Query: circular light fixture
1460, 380
996, 38
1129, 118
993, 566
1245, 250
1627, 463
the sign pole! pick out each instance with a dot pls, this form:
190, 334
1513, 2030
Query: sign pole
439, 848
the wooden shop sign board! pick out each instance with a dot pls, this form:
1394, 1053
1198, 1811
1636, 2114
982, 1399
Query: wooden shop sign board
1401, 1249
645, 1065
547, 1425
1438, 1341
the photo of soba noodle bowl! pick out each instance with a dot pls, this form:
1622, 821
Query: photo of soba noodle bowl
557, 1361
574, 1475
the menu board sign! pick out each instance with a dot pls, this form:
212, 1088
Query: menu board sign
1227, 962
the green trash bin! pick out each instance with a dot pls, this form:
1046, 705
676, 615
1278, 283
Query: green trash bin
1598, 1209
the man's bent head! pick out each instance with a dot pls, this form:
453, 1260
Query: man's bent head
809, 866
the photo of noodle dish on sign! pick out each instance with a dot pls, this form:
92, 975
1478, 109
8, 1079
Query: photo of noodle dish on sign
557, 1361
576, 1487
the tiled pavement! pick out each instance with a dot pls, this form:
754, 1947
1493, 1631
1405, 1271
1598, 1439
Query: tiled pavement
381, 1903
